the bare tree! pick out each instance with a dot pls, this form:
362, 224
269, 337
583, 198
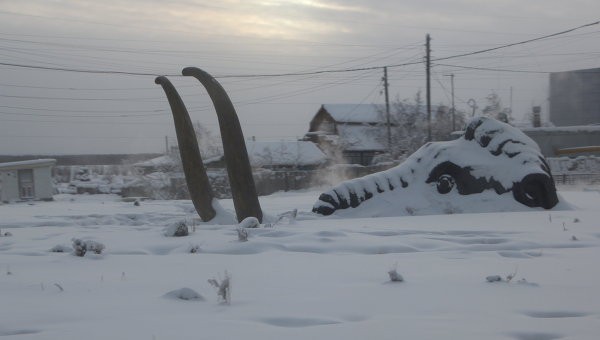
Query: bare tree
210, 145
495, 109
409, 126
441, 126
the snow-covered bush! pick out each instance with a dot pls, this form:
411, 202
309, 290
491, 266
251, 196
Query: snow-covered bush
493, 278
81, 247
395, 276
178, 229
59, 248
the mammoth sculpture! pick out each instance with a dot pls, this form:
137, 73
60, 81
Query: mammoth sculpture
491, 163
491, 160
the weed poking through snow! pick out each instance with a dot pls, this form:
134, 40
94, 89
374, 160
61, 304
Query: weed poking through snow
394, 275
242, 234
223, 288
509, 278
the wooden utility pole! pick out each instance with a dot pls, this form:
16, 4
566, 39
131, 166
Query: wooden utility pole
453, 108
427, 70
387, 109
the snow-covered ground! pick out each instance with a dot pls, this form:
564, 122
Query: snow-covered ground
309, 278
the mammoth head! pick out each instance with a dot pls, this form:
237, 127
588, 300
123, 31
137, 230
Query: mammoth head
492, 167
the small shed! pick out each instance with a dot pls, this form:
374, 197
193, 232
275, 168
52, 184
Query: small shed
26, 180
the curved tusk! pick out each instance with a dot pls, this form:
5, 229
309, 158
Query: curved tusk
243, 190
193, 167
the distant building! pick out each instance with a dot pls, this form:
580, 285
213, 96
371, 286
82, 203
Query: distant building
26, 180
349, 133
575, 97
566, 140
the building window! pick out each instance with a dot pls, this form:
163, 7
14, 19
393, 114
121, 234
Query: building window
359, 157
26, 184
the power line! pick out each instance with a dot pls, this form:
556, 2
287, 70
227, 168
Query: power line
518, 43
78, 99
492, 69
509, 70
288, 74
65, 69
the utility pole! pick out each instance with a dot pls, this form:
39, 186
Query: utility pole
167, 145
387, 109
511, 102
427, 69
453, 107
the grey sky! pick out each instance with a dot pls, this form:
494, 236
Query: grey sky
49, 112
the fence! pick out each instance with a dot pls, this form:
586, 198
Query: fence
576, 178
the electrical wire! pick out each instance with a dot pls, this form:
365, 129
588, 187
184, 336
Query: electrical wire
288, 74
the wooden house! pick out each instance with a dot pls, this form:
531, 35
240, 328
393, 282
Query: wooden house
349, 133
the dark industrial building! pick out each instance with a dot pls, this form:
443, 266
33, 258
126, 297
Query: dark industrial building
575, 97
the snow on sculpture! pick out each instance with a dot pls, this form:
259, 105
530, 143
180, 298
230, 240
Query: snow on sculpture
477, 172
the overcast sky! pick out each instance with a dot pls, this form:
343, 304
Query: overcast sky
61, 112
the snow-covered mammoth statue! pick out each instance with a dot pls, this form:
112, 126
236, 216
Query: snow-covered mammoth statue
492, 167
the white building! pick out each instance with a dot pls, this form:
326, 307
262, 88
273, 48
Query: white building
26, 180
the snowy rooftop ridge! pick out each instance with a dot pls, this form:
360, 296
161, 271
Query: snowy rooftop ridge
564, 129
34, 163
264, 153
355, 113
283, 153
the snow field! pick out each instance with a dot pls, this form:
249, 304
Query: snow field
322, 278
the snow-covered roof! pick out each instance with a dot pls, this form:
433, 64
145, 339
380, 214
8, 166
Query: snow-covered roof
355, 113
164, 160
34, 163
281, 153
262, 153
564, 129
361, 137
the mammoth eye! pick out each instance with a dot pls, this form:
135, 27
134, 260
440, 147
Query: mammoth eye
445, 183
